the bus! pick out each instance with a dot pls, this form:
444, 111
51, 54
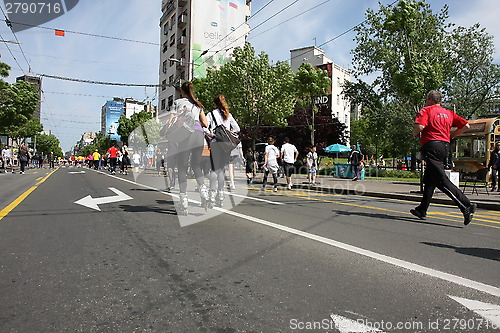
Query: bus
471, 150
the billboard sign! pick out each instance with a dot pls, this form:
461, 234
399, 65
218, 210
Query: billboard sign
114, 109
217, 26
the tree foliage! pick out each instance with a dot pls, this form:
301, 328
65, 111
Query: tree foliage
472, 75
48, 143
128, 125
409, 50
18, 102
258, 93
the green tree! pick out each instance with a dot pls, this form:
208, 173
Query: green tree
472, 75
257, 93
404, 46
18, 102
311, 83
127, 125
48, 143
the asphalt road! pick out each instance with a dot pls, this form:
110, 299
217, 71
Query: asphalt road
288, 261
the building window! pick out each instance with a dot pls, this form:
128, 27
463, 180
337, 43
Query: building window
163, 84
172, 62
172, 40
165, 28
183, 75
164, 66
163, 104
165, 46
170, 101
171, 79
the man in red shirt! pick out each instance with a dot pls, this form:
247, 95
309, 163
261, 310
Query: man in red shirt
113, 155
433, 123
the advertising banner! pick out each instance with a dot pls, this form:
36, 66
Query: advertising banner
114, 109
217, 26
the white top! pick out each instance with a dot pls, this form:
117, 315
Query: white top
312, 159
288, 150
182, 104
272, 153
136, 158
229, 123
6, 153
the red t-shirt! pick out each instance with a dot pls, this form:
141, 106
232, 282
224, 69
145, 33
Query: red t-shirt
113, 152
437, 122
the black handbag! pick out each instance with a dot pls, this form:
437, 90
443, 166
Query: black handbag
227, 139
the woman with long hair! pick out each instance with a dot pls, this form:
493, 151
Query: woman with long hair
24, 157
219, 158
191, 148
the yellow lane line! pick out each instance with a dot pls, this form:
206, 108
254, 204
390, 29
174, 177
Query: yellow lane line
23, 196
39, 178
433, 215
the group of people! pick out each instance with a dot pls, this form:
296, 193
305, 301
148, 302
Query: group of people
25, 157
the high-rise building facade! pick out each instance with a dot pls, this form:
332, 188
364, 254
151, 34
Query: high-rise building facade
38, 85
339, 105
196, 35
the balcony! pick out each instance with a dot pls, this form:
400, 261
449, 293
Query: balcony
182, 20
181, 3
181, 42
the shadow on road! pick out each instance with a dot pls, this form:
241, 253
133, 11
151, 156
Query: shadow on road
393, 217
492, 254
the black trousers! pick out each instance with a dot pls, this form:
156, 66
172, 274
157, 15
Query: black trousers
435, 154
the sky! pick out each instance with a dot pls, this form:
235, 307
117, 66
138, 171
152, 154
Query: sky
71, 108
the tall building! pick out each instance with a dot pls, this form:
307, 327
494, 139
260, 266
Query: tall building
196, 35
112, 110
38, 84
340, 107
110, 113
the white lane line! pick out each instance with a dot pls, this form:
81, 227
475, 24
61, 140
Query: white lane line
479, 286
256, 199
490, 312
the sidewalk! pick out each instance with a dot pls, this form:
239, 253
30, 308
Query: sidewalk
389, 189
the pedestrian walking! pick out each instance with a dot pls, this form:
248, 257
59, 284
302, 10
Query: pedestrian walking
24, 156
51, 160
97, 158
492, 165
312, 165
355, 158
125, 162
219, 157
189, 151
271, 165
235, 156
433, 124
113, 157
289, 154
136, 160
250, 165
7, 159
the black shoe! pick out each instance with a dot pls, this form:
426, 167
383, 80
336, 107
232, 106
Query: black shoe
417, 213
469, 211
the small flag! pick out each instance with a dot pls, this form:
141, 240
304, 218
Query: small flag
232, 4
59, 32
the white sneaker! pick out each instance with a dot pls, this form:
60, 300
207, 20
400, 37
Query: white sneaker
184, 200
275, 189
231, 186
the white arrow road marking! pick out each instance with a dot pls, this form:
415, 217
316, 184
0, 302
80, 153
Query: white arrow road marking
346, 325
90, 202
74, 172
490, 312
